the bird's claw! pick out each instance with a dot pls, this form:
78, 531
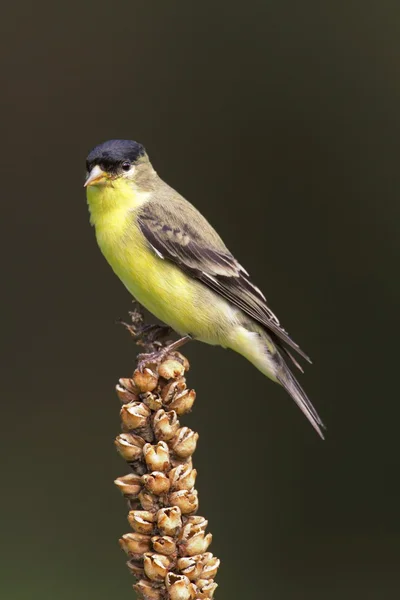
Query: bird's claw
151, 337
152, 358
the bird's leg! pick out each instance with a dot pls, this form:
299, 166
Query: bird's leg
159, 355
151, 337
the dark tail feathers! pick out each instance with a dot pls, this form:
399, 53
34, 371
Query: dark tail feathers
292, 386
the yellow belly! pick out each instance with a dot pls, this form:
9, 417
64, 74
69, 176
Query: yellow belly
176, 299
162, 288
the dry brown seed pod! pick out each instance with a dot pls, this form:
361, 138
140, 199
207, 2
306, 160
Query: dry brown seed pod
165, 424
190, 566
157, 456
186, 500
130, 446
156, 482
142, 521
135, 543
210, 567
135, 415
164, 544
206, 557
171, 369
195, 544
152, 400
146, 381
130, 485
205, 589
183, 402
179, 587
184, 442
197, 520
169, 520
149, 501
182, 359
186, 561
156, 566
176, 461
124, 395
194, 524
171, 389
182, 477
136, 568
127, 383
148, 591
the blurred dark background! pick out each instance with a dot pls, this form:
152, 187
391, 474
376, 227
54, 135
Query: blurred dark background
280, 121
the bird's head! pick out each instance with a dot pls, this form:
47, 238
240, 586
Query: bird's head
116, 162
119, 177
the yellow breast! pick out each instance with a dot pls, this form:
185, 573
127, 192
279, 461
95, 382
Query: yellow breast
158, 285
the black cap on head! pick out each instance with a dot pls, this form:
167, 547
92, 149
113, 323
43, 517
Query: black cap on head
110, 155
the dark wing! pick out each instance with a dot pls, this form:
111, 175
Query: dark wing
195, 246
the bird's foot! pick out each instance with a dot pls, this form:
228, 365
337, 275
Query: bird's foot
151, 358
158, 356
151, 337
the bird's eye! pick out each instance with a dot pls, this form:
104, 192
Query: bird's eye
126, 165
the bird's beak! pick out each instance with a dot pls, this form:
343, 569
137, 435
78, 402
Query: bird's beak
95, 176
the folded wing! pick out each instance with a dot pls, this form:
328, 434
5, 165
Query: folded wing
198, 250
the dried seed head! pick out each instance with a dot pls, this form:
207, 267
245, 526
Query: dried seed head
156, 566
171, 369
171, 389
205, 589
184, 442
127, 383
190, 566
146, 381
142, 521
165, 424
210, 566
194, 524
182, 359
130, 485
130, 446
183, 402
135, 543
135, 415
164, 544
168, 546
195, 544
186, 500
182, 477
149, 501
152, 401
136, 568
177, 462
147, 591
169, 520
125, 395
179, 587
157, 483
157, 456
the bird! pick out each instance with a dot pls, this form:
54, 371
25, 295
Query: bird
176, 265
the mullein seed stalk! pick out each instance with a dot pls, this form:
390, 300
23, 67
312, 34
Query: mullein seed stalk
168, 546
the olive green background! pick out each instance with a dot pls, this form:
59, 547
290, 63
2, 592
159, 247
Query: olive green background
280, 121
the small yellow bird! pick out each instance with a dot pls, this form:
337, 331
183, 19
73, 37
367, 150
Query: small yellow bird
176, 265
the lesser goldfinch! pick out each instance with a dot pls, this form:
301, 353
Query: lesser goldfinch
176, 265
